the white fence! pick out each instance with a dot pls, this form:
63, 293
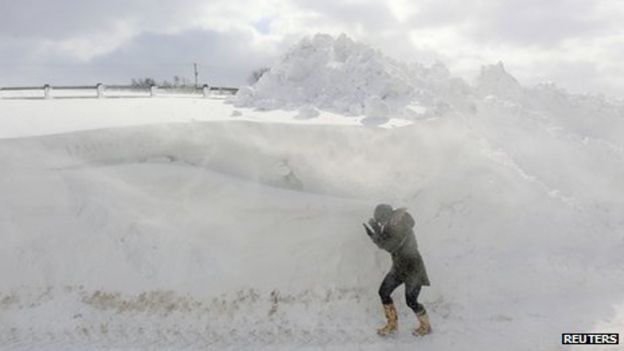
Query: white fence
101, 91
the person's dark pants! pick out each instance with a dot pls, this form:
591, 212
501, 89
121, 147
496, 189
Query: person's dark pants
391, 282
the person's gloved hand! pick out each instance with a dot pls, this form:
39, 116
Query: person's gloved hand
375, 225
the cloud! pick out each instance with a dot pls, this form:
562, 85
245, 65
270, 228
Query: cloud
65, 19
543, 23
222, 58
531, 36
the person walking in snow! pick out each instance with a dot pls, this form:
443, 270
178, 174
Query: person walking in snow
391, 229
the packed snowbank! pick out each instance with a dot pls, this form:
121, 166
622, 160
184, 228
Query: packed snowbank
190, 234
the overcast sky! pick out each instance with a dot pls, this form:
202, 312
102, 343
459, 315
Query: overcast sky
578, 44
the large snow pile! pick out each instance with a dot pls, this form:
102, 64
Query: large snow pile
327, 74
347, 77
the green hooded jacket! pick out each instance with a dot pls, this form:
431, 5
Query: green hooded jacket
397, 237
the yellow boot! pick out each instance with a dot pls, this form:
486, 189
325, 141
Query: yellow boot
425, 325
393, 321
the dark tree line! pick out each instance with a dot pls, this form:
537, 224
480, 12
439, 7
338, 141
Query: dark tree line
147, 82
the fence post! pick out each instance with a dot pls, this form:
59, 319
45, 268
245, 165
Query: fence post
47, 89
100, 90
153, 89
206, 90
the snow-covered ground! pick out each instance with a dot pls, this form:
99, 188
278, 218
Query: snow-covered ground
212, 224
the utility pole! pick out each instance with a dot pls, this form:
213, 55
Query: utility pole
196, 73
